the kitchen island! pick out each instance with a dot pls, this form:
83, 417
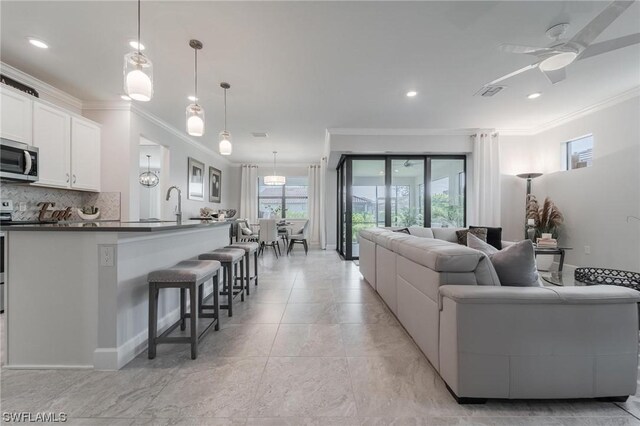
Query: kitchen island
77, 295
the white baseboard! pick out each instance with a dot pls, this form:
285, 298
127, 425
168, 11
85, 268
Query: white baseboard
47, 367
116, 358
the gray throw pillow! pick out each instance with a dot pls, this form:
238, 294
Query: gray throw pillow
515, 265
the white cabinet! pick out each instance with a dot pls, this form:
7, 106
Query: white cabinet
85, 155
15, 116
52, 136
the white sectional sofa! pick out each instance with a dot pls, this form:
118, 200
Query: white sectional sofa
490, 341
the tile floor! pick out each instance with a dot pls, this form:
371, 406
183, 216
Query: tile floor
312, 345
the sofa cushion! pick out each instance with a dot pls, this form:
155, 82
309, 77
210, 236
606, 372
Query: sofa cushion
494, 235
441, 256
515, 265
446, 234
420, 231
481, 233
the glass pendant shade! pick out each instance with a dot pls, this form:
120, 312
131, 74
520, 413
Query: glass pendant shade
224, 146
149, 178
195, 120
138, 77
275, 180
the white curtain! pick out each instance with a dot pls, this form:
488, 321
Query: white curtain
486, 180
249, 193
316, 193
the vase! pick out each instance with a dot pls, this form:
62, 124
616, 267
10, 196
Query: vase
531, 234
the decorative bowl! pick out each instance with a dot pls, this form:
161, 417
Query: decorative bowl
230, 213
84, 216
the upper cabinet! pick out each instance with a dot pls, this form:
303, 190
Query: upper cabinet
69, 145
85, 155
52, 135
16, 117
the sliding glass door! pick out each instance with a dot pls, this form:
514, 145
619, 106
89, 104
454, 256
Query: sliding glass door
400, 191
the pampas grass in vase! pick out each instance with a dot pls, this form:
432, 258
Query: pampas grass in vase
547, 218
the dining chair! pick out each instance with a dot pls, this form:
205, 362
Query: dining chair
269, 235
300, 238
245, 233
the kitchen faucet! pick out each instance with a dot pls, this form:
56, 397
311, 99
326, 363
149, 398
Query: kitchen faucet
179, 212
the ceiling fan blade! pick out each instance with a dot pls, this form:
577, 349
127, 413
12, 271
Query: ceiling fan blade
555, 76
610, 45
518, 48
588, 34
513, 74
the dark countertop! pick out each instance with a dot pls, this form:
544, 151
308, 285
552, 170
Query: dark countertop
116, 226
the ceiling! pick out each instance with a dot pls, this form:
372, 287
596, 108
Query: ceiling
298, 68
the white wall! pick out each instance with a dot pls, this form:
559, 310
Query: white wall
595, 200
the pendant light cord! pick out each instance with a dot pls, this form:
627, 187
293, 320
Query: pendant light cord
195, 72
274, 162
139, 27
225, 110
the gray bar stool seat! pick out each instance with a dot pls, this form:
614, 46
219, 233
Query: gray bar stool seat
186, 275
229, 258
249, 249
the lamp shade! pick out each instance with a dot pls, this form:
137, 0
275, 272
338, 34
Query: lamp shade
275, 180
138, 77
529, 175
224, 146
195, 120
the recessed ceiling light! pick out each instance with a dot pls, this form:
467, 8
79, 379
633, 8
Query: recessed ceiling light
125, 98
381, 172
134, 45
396, 171
411, 93
192, 98
534, 95
38, 43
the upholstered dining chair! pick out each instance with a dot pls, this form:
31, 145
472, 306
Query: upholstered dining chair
269, 235
300, 237
245, 233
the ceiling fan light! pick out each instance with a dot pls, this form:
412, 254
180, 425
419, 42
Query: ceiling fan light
558, 61
225, 147
195, 120
138, 77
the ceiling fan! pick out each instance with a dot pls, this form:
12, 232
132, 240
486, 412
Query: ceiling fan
553, 59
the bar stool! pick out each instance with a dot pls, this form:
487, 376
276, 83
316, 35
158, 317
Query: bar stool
249, 248
191, 275
229, 258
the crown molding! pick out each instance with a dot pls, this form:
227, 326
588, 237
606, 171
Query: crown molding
106, 106
43, 88
606, 103
175, 132
401, 132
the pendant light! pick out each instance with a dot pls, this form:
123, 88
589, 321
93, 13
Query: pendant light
275, 180
138, 72
195, 113
149, 179
224, 146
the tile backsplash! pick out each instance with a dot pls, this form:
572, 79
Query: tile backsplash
107, 202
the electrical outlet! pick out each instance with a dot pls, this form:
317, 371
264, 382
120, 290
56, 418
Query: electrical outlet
107, 254
22, 206
587, 249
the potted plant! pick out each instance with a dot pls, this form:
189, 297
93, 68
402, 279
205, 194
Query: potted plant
547, 219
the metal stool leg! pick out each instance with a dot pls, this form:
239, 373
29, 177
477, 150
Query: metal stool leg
255, 265
247, 264
241, 279
194, 320
153, 319
230, 278
216, 302
183, 309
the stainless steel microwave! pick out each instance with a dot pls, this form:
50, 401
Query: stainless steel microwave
18, 161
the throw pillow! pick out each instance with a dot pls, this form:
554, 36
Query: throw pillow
515, 265
403, 231
494, 236
246, 231
478, 232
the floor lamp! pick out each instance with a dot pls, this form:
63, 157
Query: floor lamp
528, 177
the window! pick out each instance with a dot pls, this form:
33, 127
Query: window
288, 201
578, 153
